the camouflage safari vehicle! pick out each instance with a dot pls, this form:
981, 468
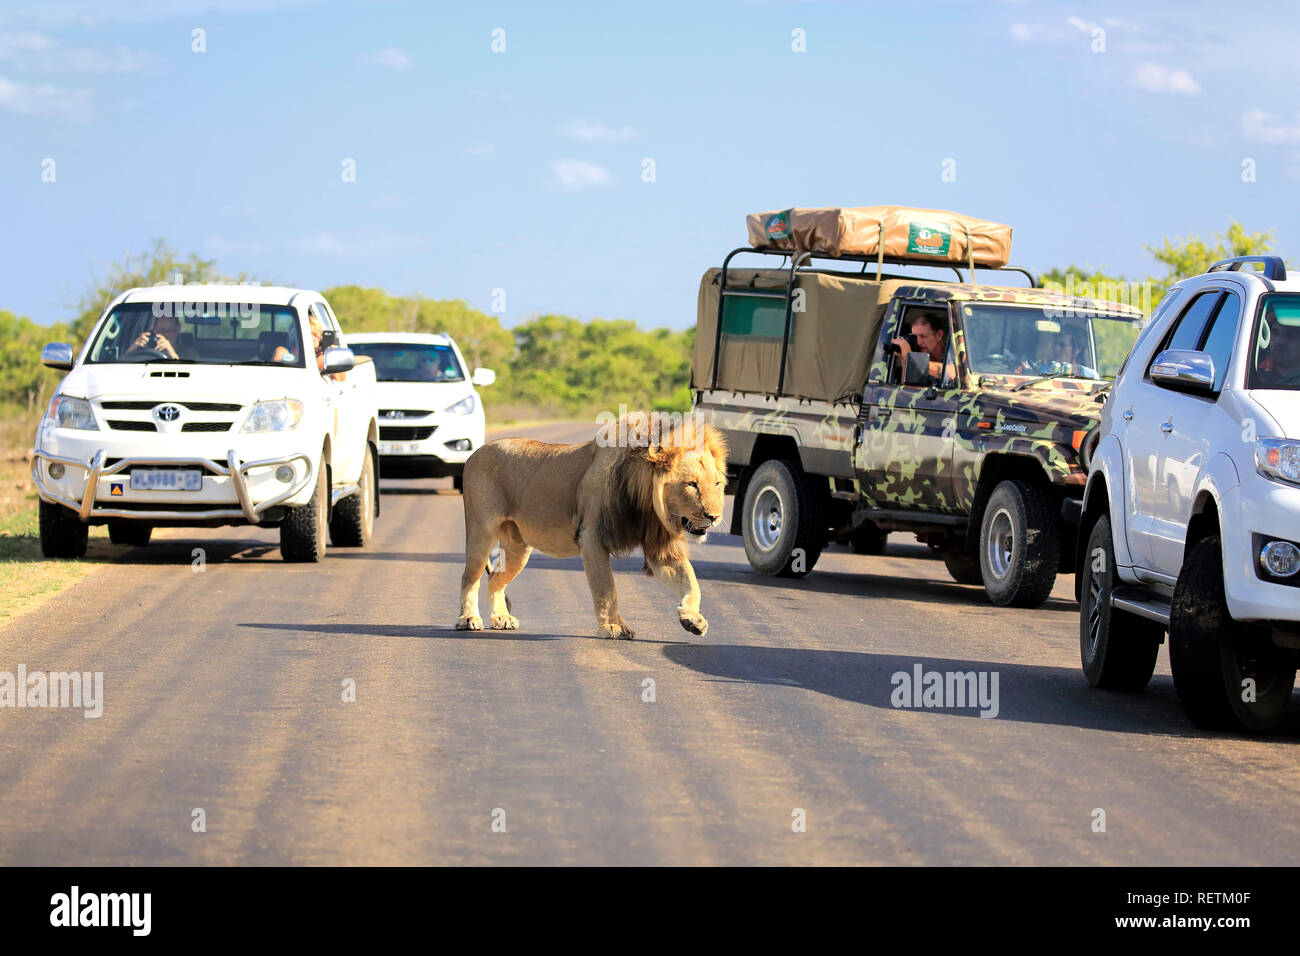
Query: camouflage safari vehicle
858, 402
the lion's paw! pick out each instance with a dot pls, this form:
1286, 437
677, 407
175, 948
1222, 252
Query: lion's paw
470, 622
617, 631
504, 622
695, 623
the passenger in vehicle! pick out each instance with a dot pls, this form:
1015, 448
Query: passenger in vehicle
1279, 359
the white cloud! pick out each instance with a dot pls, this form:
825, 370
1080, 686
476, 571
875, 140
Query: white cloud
45, 100
1155, 78
577, 174
584, 132
389, 58
38, 53
1267, 128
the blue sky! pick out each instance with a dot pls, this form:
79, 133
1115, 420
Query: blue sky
522, 170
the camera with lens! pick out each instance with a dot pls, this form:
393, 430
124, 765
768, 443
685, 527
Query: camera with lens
892, 349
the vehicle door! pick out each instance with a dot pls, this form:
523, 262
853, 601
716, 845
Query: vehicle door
1185, 428
903, 457
342, 411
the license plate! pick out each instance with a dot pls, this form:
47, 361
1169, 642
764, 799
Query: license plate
398, 447
157, 479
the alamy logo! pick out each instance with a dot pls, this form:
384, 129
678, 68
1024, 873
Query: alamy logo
81, 689
946, 689
103, 909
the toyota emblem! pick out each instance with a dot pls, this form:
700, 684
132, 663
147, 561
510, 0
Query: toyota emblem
167, 413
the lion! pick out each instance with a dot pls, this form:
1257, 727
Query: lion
627, 488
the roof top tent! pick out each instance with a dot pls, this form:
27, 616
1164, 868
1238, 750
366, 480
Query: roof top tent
802, 328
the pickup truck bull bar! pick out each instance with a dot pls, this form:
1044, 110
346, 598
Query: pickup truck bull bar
238, 474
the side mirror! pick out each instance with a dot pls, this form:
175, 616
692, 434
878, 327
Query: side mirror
338, 359
917, 370
57, 355
482, 377
1183, 370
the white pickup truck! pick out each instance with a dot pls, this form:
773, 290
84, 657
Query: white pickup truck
210, 405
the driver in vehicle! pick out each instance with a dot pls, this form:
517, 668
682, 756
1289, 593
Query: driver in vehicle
930, 330
164, 338
1071, 352
436, 367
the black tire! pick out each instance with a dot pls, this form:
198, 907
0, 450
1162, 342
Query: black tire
1118, 650
868, 539
780, 489
458, 481
132, 534
964, 568
1211, 655
353, 520
63, 533
1020, 525
302, 533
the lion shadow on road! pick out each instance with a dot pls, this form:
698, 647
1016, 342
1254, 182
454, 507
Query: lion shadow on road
427, 631
1026, 693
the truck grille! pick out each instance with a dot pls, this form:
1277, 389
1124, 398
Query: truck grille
134, 406
405, 433
206, 426
127, 426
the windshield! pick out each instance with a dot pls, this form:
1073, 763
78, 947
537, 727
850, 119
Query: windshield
1020, 340
407, 362
207, 333
1274, 360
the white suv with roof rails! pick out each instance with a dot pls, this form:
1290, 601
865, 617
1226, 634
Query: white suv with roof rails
1191, 515
430, 416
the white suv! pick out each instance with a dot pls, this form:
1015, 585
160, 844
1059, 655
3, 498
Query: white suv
1191, 515
430, 417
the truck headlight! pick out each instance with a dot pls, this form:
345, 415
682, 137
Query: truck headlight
278, 415
1278, 458
68, 412
465, 406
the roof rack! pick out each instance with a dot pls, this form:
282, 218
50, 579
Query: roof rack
1274, 267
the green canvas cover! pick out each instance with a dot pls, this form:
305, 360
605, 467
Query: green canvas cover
831, 339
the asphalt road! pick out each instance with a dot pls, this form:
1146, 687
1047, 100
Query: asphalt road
223, 691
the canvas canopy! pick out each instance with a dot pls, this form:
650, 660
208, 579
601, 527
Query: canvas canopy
831, 340
906, 233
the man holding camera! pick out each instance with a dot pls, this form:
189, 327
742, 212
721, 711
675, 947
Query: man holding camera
929, 330
163, 338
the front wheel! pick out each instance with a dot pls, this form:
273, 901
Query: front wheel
1227, 674
779, 521
63, 533
353, 520
302, 533
1020, 546
1118, 650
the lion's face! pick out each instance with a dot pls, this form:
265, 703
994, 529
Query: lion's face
693, 491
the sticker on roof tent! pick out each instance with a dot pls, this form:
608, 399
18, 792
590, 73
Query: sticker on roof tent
778, 225
927, 240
